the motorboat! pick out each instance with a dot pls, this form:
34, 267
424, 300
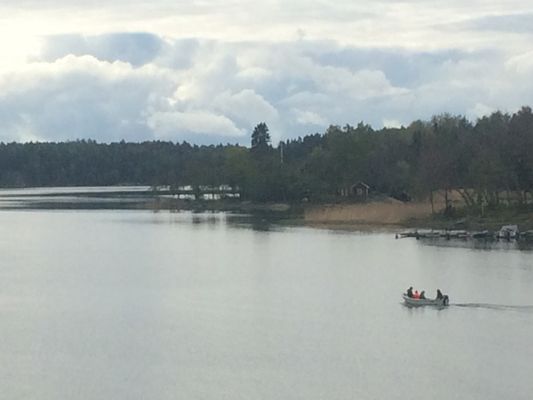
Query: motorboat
411, 301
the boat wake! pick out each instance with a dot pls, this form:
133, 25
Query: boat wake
499, 307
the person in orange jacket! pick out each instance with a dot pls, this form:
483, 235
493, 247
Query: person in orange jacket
416, 295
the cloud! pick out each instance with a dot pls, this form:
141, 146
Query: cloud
79, 97
309, 118
142, 86
413, 24
246, 106
479, 110
392, 123
406, 68
134, 48
168, 124
515, 23
521, 63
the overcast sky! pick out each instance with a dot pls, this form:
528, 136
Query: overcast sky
207, 71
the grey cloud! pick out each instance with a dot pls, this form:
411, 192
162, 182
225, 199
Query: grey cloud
402, 67
179, 54
513, 23
134, 48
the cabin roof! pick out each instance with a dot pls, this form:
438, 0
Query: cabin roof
361, 184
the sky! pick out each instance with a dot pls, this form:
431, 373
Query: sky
208, 71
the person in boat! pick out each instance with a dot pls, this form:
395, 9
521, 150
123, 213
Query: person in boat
439, 295
416, 295
423, 294
410, 292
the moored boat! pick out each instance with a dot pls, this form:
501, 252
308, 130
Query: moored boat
410, 301
527, 235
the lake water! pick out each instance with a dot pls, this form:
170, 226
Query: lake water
142, 305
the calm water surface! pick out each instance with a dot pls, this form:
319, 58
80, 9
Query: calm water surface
143, 305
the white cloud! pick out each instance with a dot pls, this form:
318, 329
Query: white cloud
247, 106
309, 118
170, 124
392, 123
478, 111
521, 63
254, 74
361, 85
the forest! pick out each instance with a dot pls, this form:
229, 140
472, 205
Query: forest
487, 162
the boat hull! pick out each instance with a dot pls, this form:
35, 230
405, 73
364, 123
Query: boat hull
425, 302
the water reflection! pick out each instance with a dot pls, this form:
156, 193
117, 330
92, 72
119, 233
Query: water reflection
257, 223
86, 198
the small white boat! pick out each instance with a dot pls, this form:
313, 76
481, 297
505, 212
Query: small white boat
410, 301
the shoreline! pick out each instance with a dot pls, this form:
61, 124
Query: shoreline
385, 214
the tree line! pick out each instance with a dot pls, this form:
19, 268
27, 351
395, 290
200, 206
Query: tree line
483, 161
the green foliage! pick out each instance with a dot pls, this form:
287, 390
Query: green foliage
260, 137
481, 161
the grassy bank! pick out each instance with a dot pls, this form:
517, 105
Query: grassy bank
491, 220
393, 213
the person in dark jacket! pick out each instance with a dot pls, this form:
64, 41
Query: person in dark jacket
410, 292
423, 294
439, 294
